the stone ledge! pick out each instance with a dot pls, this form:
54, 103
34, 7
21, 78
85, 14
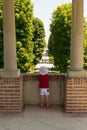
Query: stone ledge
53, 77
10, 73
77, 73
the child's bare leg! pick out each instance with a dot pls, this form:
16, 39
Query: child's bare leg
41, 100
47, 99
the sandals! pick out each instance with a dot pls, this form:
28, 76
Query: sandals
47, 106
41, 106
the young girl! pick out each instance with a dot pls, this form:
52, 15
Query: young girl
44, 86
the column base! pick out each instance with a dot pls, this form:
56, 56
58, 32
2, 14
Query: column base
77, 73
10, 73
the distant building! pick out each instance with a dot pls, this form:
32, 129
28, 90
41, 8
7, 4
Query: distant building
45, 61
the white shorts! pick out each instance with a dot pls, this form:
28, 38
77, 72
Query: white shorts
44, 91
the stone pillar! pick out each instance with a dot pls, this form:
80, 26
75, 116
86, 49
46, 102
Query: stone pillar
76, 56
9, 38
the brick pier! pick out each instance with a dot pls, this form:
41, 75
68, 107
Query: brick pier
11, 94
76, 95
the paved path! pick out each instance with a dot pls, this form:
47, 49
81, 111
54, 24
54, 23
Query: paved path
35, 118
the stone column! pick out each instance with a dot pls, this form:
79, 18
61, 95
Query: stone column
76, 56
9, 38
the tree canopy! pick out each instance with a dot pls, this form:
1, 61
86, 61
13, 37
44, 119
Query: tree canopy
1, 38
38, 39
85, 43
59, 41
24, 34
29, 46
60, 37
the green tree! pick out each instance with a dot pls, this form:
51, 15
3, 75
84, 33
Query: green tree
30, 36
38, 39
24, 34
59, 40
1, 38
85, 43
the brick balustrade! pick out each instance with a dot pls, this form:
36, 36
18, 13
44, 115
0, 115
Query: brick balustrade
12, 91
11, 94
76, 95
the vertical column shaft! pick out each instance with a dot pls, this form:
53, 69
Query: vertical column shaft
9, 35
76, 56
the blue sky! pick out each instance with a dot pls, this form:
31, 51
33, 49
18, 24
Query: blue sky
44, 8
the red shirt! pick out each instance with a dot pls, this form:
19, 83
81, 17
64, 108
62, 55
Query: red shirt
44, 81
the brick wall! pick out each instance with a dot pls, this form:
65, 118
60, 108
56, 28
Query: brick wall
12, 91
11, 94
31, 89
76, 95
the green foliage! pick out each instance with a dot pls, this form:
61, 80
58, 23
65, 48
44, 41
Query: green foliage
1, 38
30, 36
85, 43
24, 34
59, 41
38, 39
